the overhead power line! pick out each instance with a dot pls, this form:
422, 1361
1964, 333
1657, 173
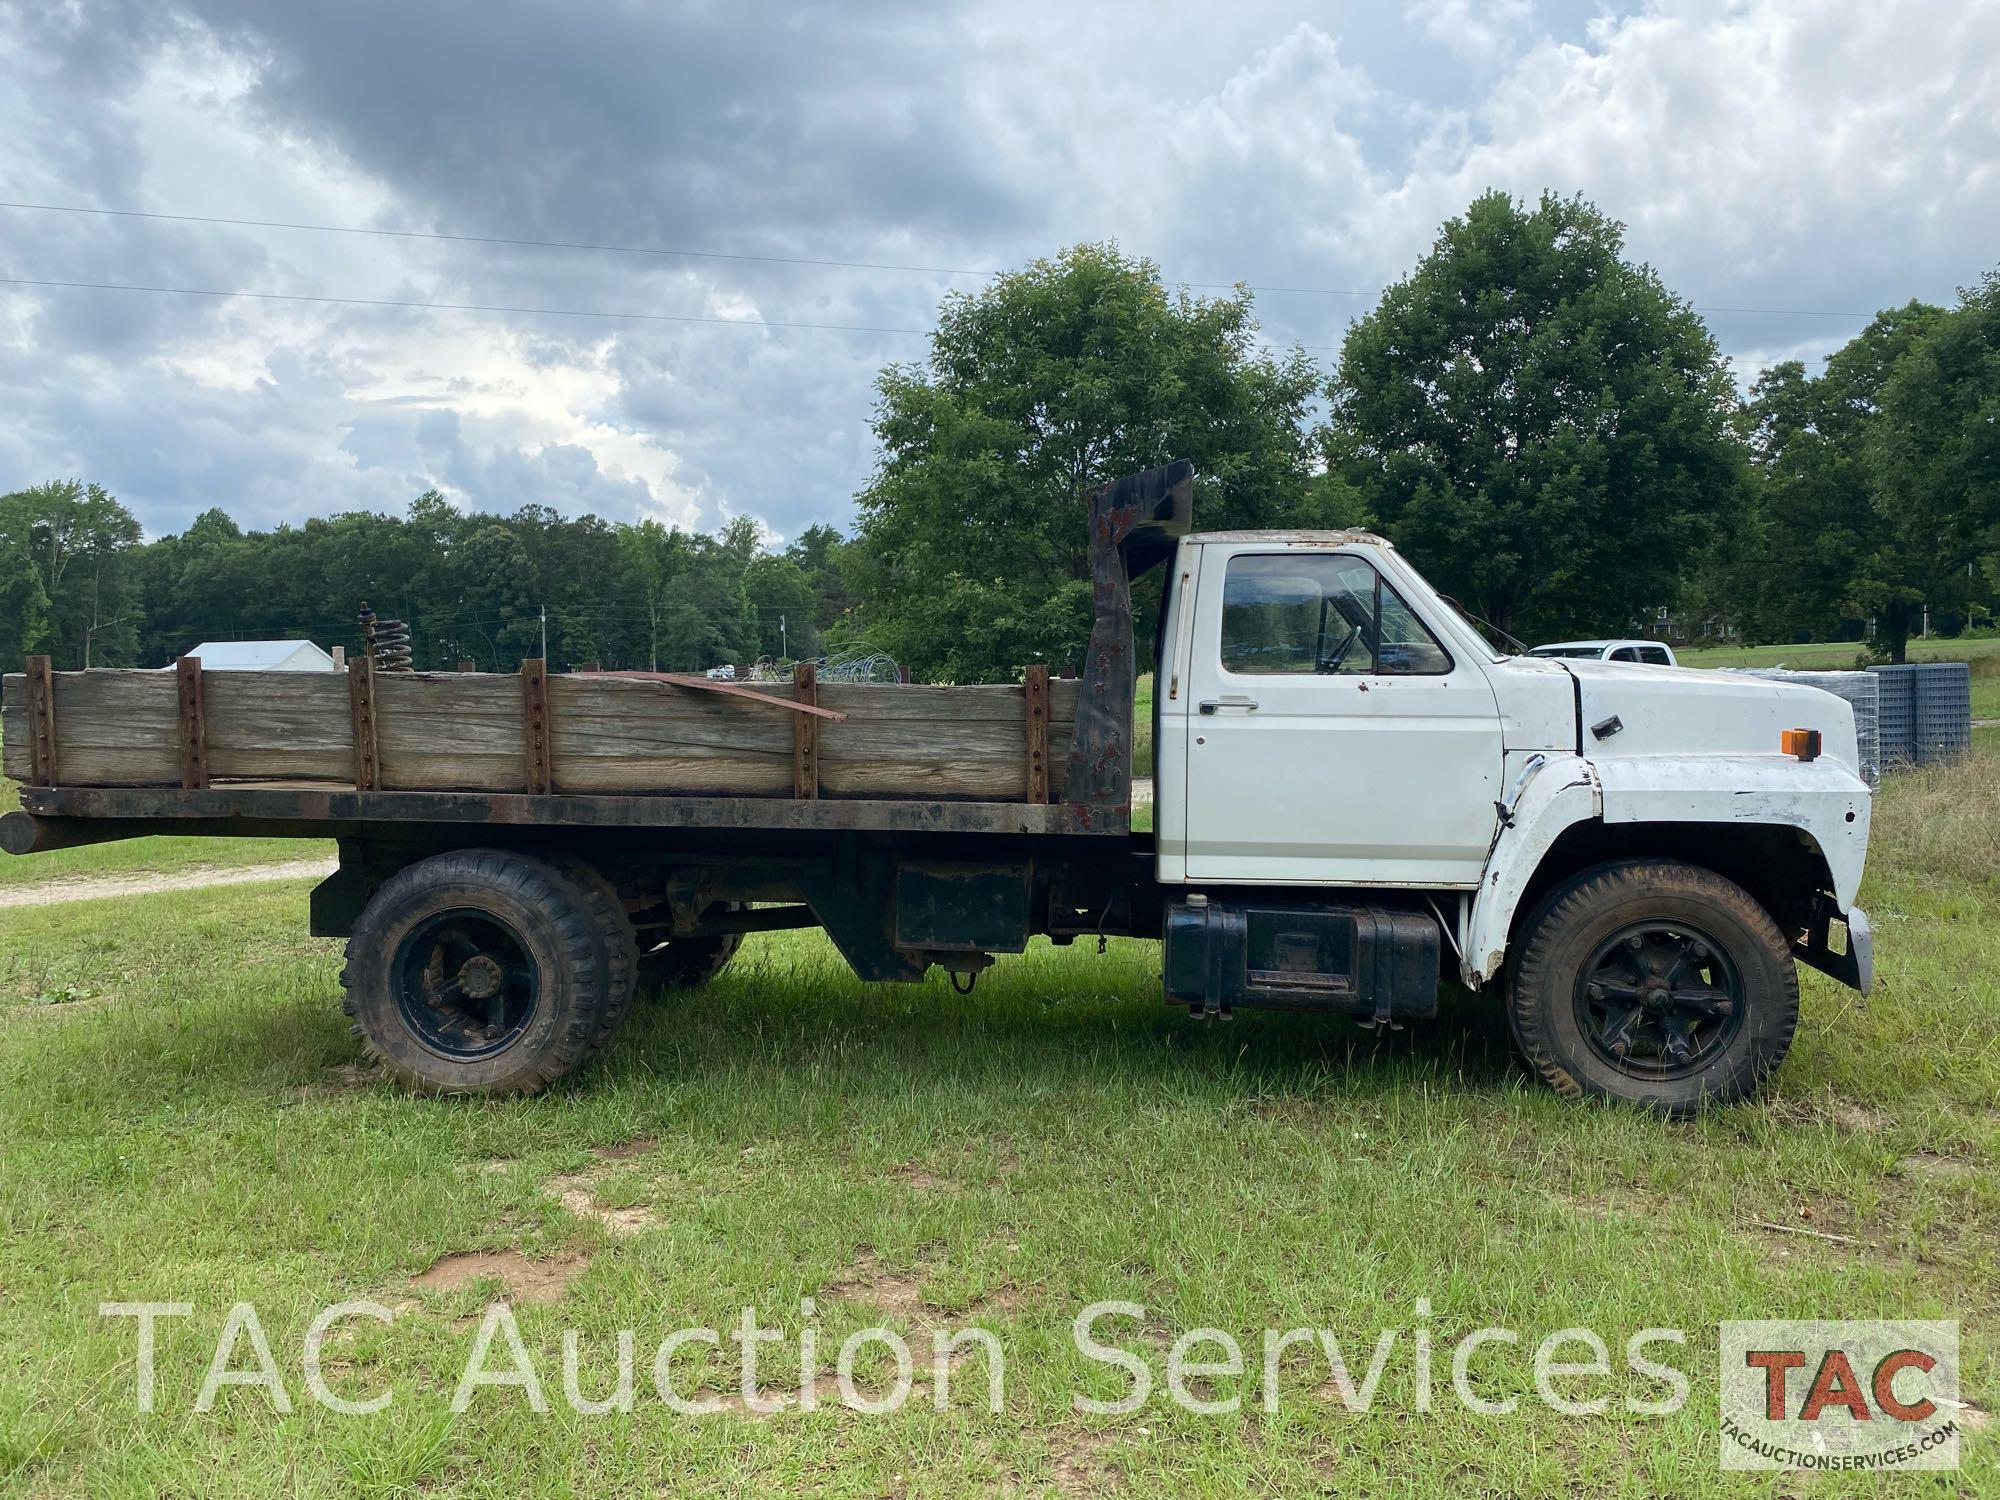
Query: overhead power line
479, 307
520, 242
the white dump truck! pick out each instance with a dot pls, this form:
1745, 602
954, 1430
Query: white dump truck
1358, 798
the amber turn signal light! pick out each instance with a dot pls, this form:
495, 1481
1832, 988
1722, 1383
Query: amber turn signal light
1804, 743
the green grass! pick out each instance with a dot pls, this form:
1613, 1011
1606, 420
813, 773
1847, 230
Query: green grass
181, 1121
1142, 727
1833, 656
149, 856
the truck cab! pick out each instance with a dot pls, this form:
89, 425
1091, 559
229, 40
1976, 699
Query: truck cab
1634, 854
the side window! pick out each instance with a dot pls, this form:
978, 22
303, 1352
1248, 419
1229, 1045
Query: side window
1407, 648
1319, 613
1655, 655
1624, 653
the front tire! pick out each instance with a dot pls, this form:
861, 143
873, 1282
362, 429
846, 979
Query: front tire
478, 972
1654, 983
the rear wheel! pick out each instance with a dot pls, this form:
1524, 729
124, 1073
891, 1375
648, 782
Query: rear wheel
478, 972
682, 963
1655, 983
618, 936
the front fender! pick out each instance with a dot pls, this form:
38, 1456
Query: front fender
1823, 799
1562, 792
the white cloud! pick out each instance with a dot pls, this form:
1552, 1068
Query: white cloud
1480, 31
1764, 153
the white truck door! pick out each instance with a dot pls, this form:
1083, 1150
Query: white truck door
1331, 738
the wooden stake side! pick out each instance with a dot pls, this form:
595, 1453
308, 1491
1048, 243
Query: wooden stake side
1036, 690
361, 698
42, 719
535, 721
194, 724
805, 732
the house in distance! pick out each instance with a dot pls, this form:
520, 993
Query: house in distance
262, 656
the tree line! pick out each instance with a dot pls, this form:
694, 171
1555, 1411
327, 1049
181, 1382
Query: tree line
77, 582
1551, 432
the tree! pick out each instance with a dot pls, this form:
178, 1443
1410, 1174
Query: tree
972, 558
1808, 437
821, 553
24, 606
78, 538
652, 558
1932, 461
1538, 420
781, 595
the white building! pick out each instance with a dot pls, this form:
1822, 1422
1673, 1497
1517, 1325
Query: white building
262, 656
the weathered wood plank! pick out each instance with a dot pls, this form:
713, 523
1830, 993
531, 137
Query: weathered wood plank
193, 728
283, 725
464, 732
114, 728
14, 760
440, 732
615, 734
975, 704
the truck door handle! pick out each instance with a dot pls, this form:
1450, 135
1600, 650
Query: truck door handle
1234, 700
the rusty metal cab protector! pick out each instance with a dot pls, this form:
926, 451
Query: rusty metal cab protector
1376, 962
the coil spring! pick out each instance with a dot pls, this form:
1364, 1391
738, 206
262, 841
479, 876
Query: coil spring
388, 642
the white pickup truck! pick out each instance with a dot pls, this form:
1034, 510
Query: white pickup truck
1357, 796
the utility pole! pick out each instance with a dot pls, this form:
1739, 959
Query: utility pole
784, 640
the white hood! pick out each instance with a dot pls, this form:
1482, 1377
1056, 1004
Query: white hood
1680, 711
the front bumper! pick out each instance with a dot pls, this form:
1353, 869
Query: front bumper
1854, 968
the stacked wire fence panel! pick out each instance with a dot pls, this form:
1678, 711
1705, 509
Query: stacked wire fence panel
1926, 711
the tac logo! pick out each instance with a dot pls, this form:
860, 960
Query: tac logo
1839, 1395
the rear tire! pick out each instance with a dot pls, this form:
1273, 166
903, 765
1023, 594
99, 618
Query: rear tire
683, 963
1654, 983
618, 936
477, 972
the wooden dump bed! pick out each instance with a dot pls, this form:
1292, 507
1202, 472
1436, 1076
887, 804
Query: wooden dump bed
597, 734
104, 755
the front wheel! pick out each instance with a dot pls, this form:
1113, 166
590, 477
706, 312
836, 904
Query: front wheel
1654, 983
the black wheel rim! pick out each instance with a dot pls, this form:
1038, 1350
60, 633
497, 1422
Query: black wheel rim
1659, 1000
465, 985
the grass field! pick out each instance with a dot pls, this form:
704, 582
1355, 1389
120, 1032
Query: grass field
184, 1120
147, 856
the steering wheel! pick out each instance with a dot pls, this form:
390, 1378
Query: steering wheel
1329, 665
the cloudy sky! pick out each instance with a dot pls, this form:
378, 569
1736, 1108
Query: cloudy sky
1788, 165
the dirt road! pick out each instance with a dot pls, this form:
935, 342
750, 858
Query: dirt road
101, 887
